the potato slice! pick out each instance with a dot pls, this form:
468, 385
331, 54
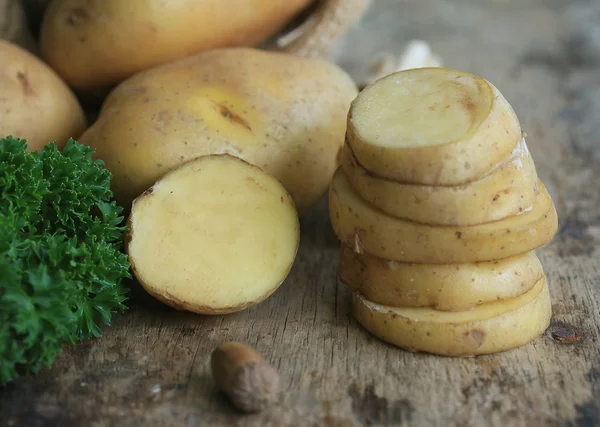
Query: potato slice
488, 328
213, 236
445, 287
363, 227
432, 126
508, 189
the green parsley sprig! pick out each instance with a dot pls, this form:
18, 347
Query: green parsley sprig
61, 260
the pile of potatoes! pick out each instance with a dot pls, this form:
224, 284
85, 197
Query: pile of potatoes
438, 206
215, 146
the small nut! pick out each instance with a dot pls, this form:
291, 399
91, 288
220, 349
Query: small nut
241, 373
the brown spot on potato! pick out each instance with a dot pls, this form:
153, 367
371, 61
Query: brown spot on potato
496, 197
23, 78
75, 16
163, 117
232, 117
477, 336
282, 200
458, 234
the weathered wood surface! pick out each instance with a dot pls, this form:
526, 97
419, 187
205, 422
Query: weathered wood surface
151, 366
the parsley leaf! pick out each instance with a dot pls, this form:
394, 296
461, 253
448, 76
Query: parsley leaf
61, 260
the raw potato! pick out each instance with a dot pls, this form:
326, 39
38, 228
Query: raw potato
13, 25
95, 44
508, 189
488, 328
367, 229
215, 236
445, 287
35, 104
432, 126
284, 114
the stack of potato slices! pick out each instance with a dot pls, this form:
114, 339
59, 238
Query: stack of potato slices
438, 206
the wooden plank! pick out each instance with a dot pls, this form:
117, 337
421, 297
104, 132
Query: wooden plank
151, 367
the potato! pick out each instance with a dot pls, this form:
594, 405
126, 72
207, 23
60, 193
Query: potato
445, 287
488, 328
282, 113
96, 44
432, 126
367, 229
13, 25
213, 236
35, 104
508, 189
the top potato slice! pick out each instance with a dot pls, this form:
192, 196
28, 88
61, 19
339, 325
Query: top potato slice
432, 126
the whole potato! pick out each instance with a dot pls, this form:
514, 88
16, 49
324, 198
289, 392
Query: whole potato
13, 24
35, 104
97, 43
282, 113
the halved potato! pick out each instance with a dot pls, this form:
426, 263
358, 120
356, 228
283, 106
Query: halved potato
508, 189
364, 228
488, 328
432, 126
445, 287
213, 236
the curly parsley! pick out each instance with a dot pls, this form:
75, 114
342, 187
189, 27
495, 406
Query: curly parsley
61, 260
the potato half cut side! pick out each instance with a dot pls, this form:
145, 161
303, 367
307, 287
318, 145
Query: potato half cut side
364, 228
432, 126
508, 189
213, 236
445, 287
488, 328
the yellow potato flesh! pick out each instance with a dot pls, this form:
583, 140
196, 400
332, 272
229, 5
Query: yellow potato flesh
215, 235
432, 126
445, 287
367, 229
35, 104
281, 113
488, 328
508, 189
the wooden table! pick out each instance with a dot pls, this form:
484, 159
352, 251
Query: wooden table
151, 366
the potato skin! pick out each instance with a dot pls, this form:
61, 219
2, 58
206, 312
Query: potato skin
445, 287
35, 104
486, 335
94, 44
505, 191
282, 113
367, 229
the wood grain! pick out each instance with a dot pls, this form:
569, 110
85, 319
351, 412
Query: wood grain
151, 368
